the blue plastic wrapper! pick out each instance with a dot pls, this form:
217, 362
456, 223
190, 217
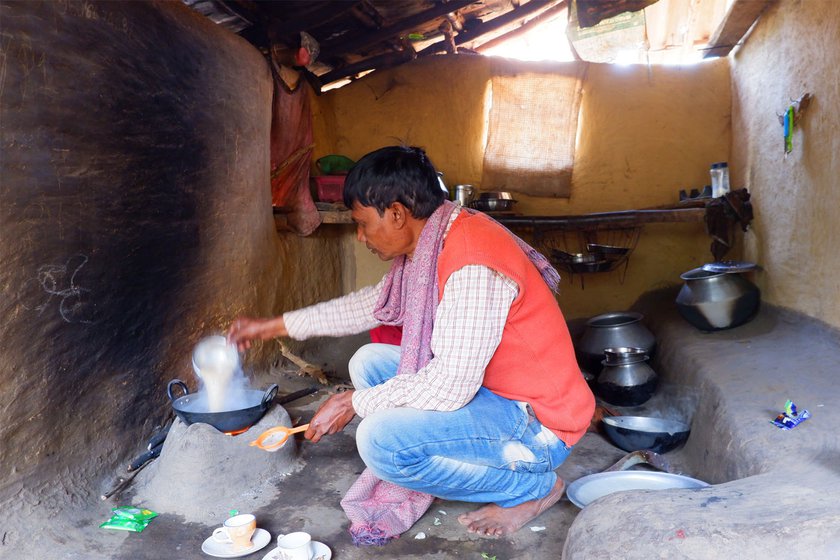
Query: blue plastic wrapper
791, 417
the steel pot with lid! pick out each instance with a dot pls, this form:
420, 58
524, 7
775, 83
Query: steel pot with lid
612, 330
716, 297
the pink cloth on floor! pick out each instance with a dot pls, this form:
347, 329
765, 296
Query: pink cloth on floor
380, 511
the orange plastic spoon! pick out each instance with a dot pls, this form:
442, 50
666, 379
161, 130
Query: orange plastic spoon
273, 433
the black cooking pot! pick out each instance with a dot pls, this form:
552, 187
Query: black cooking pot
632, 433
192, 410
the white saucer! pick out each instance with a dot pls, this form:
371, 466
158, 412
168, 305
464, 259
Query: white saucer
320, 551
215, 548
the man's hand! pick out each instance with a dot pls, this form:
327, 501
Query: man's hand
332, 416
246, 329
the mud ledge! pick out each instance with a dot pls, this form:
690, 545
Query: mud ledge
775, 493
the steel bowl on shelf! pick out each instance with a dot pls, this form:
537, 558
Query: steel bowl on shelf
492, 205
611, 251
581, 262
495, 201
633, 433
499, 195
594, 266
575, 258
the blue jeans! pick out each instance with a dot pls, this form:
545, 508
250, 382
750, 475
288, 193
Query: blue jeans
491, 450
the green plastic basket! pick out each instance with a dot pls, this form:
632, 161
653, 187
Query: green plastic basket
335, 165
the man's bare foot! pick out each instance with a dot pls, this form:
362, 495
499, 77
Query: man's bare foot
495, 521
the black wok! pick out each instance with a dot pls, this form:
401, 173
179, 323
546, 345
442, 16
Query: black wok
633, 433
191, 409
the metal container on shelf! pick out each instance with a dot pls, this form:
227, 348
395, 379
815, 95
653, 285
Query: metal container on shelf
464, 194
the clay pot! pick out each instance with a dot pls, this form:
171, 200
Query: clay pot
612, 330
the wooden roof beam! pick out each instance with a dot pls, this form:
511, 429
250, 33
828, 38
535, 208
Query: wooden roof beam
738, 19
381, 62
389, 60
400, 28
318, 13
489, 26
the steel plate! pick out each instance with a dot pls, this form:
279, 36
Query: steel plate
587, 489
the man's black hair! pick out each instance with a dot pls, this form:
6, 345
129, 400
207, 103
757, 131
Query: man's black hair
395, 174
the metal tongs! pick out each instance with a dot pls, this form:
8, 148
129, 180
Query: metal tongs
277, 436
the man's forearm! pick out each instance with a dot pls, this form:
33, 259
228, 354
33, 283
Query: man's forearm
350, 314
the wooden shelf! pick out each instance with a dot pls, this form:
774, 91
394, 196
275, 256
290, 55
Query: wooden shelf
620, 219
330, 214
335, 217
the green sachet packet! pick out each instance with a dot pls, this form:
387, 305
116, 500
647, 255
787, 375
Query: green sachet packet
134, 513
124, 524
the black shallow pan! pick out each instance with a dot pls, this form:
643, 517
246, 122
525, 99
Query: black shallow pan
633, 433
191, 410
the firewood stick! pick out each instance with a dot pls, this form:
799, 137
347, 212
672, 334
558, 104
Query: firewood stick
123, 481
307, 368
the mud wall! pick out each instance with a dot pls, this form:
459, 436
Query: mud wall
645, 133
135, 218
796, 197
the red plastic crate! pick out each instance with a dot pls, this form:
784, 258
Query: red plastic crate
330, 188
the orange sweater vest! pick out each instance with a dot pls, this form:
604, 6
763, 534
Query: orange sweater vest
535, 361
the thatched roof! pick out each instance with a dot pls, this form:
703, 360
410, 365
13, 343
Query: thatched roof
354, 37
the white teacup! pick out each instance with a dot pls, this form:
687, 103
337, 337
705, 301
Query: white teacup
295, 546
237, 530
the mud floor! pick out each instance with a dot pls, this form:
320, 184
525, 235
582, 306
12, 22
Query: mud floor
305, 500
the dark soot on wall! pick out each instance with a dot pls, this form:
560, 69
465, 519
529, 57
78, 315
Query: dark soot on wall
104, 134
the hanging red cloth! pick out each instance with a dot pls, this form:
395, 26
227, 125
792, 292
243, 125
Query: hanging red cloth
291, 152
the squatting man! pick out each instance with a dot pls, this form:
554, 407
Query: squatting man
482, 399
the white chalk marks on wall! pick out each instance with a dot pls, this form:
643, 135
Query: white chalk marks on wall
56, 285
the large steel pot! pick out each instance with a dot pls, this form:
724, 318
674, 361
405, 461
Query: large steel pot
612, 330
717, 300
626, 379
191, 408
